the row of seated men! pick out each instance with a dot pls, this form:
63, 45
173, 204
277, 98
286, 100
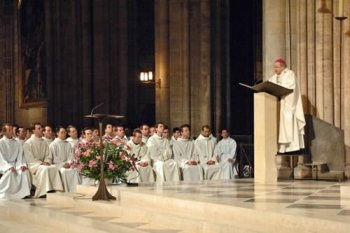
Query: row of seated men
45, 161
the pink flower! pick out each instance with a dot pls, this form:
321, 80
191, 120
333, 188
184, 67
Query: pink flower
111, 165
92, 163
77, 153
80, 167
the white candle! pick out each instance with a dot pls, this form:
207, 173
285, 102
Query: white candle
341, 8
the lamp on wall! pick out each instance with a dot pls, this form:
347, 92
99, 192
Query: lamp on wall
148, 77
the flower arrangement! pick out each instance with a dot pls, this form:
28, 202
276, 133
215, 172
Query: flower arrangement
117, 162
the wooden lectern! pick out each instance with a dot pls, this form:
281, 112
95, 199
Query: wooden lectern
266, 129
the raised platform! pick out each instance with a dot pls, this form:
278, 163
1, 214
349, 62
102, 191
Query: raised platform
213, 206
224, 206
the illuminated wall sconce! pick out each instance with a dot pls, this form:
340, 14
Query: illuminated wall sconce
147, 77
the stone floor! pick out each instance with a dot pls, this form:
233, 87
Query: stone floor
213, 206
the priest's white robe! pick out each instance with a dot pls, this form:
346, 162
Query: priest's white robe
292, 120
184, 151
144, 139
225, 150
13, 185
160, 153
72, 141
62, 153
205, 149
48, 140
20, 141
45, 178
143, 174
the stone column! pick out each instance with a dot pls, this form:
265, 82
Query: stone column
162, 59
346, 86
205, 70
274, 33
311, 68
302, 62
179, 56
328, 65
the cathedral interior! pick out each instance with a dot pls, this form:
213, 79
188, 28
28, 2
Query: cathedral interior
182, 62
59, 59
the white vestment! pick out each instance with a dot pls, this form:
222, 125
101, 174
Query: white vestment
205, 149
72, 141
160, 153
143, 174
225, 150
48, 140
184, 151
144, 139
62, 153
45, 178
13, 185
20, 141
292, 120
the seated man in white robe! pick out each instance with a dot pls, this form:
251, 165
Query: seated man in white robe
15, 182
185, 155
62, 154
21, 134
205, 145
145, 132
48, 138
73, 135
120, 136
46, 176
109, 134
144, 171
87, 137
160, 152
225, 150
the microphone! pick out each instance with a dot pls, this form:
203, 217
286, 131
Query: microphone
97, 106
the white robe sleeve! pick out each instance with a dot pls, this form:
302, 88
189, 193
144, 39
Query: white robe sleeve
4, 165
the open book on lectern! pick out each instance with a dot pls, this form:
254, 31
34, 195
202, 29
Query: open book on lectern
269, 87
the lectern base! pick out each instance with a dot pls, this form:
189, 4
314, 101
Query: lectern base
102, 192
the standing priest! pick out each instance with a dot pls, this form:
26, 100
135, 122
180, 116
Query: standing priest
15, 181
292, 120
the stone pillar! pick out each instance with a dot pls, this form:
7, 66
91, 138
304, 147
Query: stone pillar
327, 54
205, 116
162, 59
302, 63
346, 86
182, 44
311, 64
7, 60
274, 33
179, 56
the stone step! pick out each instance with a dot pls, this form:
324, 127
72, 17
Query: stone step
141, 213
42, 218
194, 215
